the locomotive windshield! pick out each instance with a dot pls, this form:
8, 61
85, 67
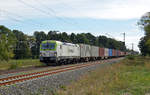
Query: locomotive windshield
49, 46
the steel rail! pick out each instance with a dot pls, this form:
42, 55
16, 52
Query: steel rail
24, 77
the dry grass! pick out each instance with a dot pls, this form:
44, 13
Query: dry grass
129, 77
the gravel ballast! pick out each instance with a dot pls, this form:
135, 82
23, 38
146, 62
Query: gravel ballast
47, 85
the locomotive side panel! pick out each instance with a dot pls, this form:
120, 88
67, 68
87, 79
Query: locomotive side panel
69, 51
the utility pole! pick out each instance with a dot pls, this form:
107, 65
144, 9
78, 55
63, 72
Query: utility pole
132, 48
0, 12
124, 38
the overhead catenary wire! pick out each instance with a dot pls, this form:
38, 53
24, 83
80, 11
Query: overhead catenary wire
50, 9
17, 18
21, 17
75, 10
14, 19
33, 7
9, 17
47, 13
53, 12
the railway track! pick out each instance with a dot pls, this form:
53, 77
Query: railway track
25, 77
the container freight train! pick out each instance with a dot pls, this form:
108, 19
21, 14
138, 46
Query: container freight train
61, 52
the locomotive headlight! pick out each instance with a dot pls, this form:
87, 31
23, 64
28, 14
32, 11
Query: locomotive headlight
55, 54
40, 53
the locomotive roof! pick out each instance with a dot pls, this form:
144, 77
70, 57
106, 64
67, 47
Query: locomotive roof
64, 43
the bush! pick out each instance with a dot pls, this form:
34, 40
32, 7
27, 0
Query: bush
131, 57
133, 60
13, 66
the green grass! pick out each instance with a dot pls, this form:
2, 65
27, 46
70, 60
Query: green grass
14, 64
131, 76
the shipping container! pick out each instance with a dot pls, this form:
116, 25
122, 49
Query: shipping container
110, 52
85, 50
102, 52
117, 53
113, 52
122, 53
106, 53
94, 51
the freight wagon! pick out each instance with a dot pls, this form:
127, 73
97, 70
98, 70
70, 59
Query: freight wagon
102, 53
85, 52
94, 52
60, 52
110, 53
106, 53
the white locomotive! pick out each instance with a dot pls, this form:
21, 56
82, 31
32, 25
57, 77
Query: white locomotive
55, 52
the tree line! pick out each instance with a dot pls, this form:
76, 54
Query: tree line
17, 45
144, 43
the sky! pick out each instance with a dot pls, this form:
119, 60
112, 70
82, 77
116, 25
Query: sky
98, 17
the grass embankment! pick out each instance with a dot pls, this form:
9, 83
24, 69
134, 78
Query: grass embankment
131, 76
14, 64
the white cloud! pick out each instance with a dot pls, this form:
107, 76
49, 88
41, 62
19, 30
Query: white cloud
98, 9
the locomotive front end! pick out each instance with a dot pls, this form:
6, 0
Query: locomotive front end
48, 51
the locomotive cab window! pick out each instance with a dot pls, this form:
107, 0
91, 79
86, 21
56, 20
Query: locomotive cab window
50, 46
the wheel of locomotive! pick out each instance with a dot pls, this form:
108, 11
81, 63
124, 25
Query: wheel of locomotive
47, 63
58, 63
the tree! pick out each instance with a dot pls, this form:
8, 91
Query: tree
39, 36
81, 38
52, 35
65, 37
144, 43
144, 46
32, 45
73, 38
91, 38
103, 41
22, 49
7, 42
